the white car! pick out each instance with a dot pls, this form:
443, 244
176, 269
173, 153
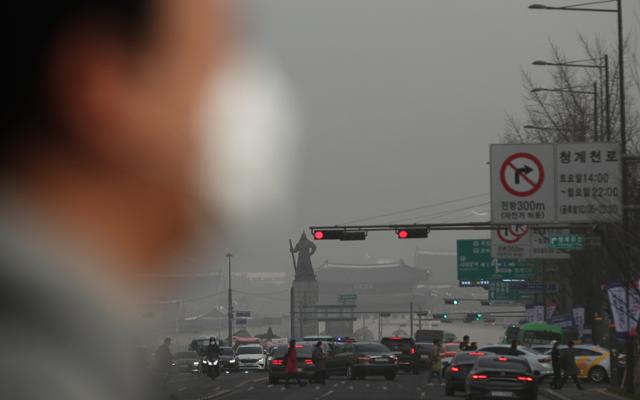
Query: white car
251, 356
540, 364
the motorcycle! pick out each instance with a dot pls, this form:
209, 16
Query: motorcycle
211, 368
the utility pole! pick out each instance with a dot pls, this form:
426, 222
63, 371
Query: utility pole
230, 305
411, 319
419, 317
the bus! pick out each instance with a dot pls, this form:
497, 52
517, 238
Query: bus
533, 333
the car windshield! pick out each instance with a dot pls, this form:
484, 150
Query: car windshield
249, 350
397, 345
371, 348
227, 351
467, 357
424, 347
506, 363
186, 354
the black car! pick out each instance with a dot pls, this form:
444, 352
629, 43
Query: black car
424, 355
277, 364
362, 359
228, 359
186, 361
456, 374
405, 349
501, 376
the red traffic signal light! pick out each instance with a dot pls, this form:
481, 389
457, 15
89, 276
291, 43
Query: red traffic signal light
339, 234
412, 233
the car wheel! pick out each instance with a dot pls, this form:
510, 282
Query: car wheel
273, 381
597, 374
390, 377
350, 374
449, 391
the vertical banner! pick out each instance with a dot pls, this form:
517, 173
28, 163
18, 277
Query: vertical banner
539, 310
531, 313
551, 308
621, 313
578, 319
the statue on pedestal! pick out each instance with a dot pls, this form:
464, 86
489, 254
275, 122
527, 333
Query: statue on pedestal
303, 267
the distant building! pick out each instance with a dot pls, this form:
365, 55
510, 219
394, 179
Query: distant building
441, 266
389, 285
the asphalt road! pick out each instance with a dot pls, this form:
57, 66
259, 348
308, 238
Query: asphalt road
405, 386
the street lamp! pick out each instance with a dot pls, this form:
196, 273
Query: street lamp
594, 93
582, 64
230, 306
629, 383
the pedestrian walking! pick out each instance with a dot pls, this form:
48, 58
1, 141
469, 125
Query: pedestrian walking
164, 358
436, 362
291, 363
555, 363
569, 367
464, 345
318, 357
513, 350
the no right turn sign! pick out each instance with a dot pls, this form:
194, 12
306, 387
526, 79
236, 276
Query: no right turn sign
522, 183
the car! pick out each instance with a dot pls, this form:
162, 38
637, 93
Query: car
540, 364
593, 361
424, 355
251, 356
277, 364
228, 359
362, 359
456, 375
498, 376
404, 348
186, 362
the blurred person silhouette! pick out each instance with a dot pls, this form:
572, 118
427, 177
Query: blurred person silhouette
164, 359
513, 350
569, 367
464, 345
99, 179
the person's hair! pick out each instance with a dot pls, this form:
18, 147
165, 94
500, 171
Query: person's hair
436, 341
167, 340
318, 344
465, 338
570, 343
28, 35
292, 342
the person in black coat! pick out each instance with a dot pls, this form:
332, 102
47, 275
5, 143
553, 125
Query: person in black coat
555, 363
569, 367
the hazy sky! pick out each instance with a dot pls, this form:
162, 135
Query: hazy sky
400, 100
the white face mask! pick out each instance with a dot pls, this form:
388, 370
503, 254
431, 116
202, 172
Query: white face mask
250, 140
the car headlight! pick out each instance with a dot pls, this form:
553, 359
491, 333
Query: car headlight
196, 363
209, 362
215, 362
232, 361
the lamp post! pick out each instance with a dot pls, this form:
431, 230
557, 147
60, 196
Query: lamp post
594, 93
629, 383
604, 66
230, 306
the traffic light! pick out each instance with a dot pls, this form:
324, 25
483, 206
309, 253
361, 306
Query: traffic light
445, 316
455, 302
412, 233
478, 316
339, 234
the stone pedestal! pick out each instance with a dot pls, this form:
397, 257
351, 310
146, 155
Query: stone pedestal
305, 296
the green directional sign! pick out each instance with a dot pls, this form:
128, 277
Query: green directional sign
476, 264
566, 242
506, 291
347, 298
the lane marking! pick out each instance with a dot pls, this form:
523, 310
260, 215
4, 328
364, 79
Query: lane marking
556, 394
329, 393
250, 388
350, 387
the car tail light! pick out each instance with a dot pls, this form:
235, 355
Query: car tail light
476, 353
413, 350
503, 359
478, 377
364, 359
525, 379
277, 362
455, 369
308, 362
298, 346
